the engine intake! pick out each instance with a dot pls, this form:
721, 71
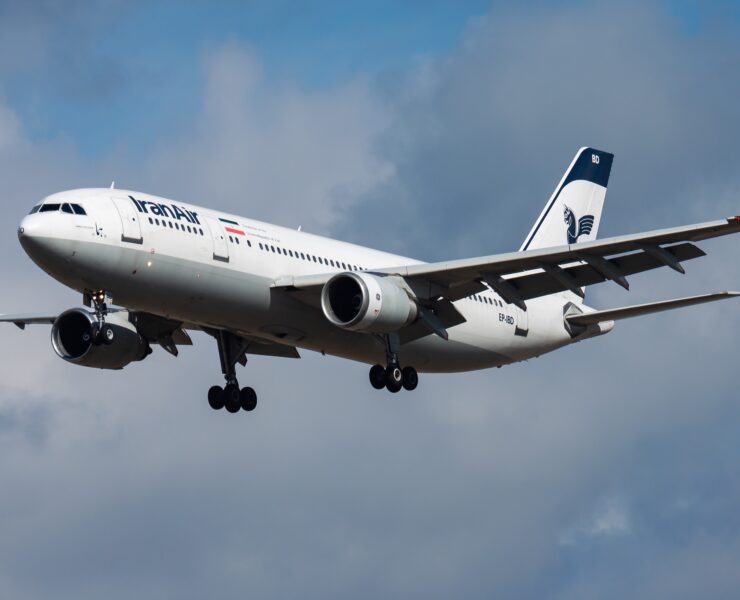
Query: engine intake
367, 302
73, 339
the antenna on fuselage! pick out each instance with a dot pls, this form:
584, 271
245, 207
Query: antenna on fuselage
113, 185
299, 227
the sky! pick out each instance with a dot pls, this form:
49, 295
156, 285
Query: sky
436, 130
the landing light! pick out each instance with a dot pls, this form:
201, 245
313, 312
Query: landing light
149, 263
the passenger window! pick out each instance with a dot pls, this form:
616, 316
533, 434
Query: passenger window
170, 224
49, 208
151, 221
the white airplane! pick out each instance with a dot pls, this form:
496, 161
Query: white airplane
259, 288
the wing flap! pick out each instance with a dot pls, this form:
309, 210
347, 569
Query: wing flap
627, 312
533, 285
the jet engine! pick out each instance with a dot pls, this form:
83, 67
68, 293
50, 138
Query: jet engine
366, 302
76, 339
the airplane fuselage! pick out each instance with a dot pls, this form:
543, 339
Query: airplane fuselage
215, 270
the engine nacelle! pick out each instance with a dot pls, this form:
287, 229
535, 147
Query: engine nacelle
366, 302
73, 339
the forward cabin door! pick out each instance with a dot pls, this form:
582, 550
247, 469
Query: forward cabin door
130, 226
220, 246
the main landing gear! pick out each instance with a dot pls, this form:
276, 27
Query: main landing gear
101, 332
393, 377
231, 350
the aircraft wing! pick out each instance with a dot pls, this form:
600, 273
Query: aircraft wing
614, 314
167, 333
520, 276
23, 319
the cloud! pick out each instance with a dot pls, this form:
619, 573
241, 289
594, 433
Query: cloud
124, 484
610, 518
479, 139
271, 149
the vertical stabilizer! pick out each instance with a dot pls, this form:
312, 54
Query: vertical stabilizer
573, 213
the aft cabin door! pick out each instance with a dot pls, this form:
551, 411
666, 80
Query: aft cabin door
220, 246
522, 322
130, 226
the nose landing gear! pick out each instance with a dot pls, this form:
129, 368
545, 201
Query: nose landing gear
231, 350
393, 377
101, 332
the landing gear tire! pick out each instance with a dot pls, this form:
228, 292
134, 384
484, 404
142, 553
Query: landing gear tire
248, 399
377, 377
231, 398
410, 378
393, 379
216, 397
107, 335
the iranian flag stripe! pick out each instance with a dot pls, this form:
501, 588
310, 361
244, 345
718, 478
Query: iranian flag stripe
236, 231
227, 221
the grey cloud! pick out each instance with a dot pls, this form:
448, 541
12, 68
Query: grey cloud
467, 487
272, 150
480, 140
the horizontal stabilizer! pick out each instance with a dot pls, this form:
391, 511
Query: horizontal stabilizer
615, 314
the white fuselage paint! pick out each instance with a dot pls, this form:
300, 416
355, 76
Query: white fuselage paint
211, 281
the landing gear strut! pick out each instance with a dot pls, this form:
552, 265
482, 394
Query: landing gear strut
393, 377
231, 350
101, 333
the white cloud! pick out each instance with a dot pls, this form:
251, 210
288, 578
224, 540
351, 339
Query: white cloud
609, 519
272, 150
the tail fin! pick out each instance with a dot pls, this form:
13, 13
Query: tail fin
573, 212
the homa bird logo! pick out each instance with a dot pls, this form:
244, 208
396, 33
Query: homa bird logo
585, 223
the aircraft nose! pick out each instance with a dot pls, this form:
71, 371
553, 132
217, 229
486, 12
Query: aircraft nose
36, 235
27, 227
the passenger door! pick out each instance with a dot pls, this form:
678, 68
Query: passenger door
522, 321
220, 246
130, 226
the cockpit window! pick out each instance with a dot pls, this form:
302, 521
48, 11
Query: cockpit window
35, 209
67, 208
49, 208
78, 209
